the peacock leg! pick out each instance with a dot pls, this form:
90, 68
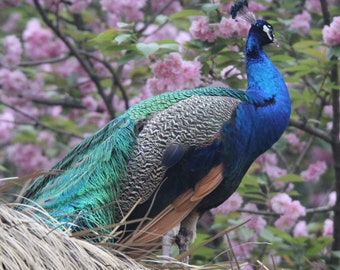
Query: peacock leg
168, 239
187, 233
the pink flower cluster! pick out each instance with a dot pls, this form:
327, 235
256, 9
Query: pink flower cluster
256, 222
289, 210
158, 5
231, 205
201, 29
294, 142
331, 33
6, 126
13, 51
173, 73
28, 158
314, 171
269, 164
300, 229
122, 10
226, 28
328, 228
301, 23
13, 82
78, 6
40, 43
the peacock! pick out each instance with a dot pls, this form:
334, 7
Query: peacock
170, 158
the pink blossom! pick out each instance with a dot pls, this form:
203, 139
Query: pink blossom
12, 22
201, 29
154, 33
12, 3
122, 10
28, 158
331, 33
86, 86
90, 103
158, 5
268, 163
314, 171
40, 43
78, 6
296, 209
172, 73
4, 78
328, 228
285, 222
230, 205
256, 7
47, 138
280, 203
242, 28
241, 250
331, 199
67, 68
6, 126
294, 141
13, 51
226, 28
317, 199
191, 74
290, 210
13, 82
256, 222
328, 110
300, 229
301, 23
313, 5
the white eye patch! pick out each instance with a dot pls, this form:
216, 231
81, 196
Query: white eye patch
268, 31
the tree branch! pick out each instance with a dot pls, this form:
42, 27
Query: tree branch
311, 130
116, 80
44, 61
321, 209
85, 65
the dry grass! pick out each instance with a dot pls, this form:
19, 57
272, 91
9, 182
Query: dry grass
26, 243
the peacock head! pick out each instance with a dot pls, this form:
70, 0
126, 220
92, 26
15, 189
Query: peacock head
263, 30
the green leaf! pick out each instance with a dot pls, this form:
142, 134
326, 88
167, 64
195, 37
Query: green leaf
123, 24
107, 35
171, 47
161, 19
147, 49
305, 43
290, 178
121, 38
186, 13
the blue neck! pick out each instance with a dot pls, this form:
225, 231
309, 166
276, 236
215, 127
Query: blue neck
264, 80
260, 121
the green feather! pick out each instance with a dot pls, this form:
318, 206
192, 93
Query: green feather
83, 187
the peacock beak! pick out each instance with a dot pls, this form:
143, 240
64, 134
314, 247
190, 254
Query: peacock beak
275, 43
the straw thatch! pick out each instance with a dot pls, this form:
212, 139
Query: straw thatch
26, 243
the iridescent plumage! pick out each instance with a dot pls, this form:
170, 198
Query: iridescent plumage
170, 157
